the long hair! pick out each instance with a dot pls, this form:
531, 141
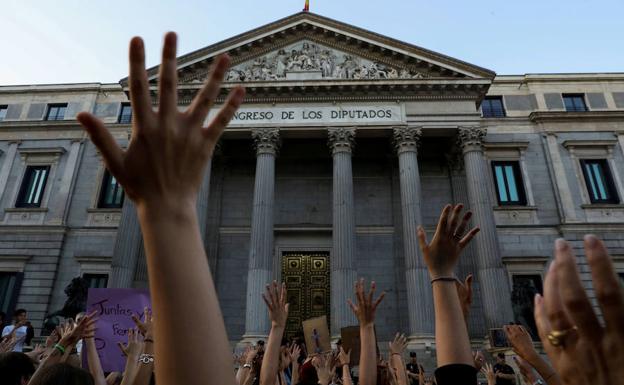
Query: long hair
63, 374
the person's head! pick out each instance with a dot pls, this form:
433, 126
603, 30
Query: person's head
16, 368
20, 315
500, 358
260, 345
413, 357
63, 374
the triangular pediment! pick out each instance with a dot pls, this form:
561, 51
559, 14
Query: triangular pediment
306, 46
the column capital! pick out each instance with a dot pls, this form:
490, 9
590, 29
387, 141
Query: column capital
266, 140
471, 138
406, 138
341, 139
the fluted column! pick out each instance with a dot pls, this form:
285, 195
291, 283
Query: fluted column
127, 246
343, 272
419, 294
204, 195
266, 142
491, 274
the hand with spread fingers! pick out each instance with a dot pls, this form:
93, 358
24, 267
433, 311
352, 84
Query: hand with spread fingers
366, 307
164, 162
488, 371
325, 369
145, 327
581, 349
398, 345
275, 299
442, 253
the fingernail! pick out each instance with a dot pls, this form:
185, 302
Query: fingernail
561, 244
538, 299
591, 240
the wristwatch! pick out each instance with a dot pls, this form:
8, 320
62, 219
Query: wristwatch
247, 366
146, 358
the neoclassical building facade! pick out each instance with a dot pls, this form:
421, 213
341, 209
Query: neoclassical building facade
348, 141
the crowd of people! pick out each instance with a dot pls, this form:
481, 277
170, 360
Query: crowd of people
161, 171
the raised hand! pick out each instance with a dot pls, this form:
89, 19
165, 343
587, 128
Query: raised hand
488, 371
275, 299
8, 343
464, 292
344, 358
325, 369
449, 240
164, 162
145, 327
366, 307
295, 353
398, 345
134, 347
581, 350
478, 359
521, 342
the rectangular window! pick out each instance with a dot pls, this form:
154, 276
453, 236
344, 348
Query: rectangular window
3, 112
492, 107
111, 193
509, 185
56, 111
96, 281
524, 288
574, 102
125, 115
599, 181
10, 283
33, 186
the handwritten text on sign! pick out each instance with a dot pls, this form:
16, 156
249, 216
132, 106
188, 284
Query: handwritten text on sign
315, 115
115, 308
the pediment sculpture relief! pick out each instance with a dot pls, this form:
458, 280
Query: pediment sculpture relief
306, 60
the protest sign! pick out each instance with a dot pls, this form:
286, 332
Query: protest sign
114, 309
317, 335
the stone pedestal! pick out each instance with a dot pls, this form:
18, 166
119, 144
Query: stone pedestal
260, 271
491, 273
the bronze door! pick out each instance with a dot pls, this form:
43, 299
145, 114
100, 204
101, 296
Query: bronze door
307, 282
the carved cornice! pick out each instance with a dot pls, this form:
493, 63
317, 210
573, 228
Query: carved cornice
406, 139
341, 139
584, 116
471, 138
266, 140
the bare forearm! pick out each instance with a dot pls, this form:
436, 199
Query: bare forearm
145, 370
177, 260
452, 342
270, 361
295, 374
543, 368
397, 363
93, 360
346, 376
368, 356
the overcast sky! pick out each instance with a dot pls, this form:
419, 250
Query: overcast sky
71, 41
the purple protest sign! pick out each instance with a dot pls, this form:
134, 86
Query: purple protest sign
115, 308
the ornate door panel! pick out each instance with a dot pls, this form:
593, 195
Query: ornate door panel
307, 283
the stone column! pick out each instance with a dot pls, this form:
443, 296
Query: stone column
496, 298
204, 195
419, 294
266, 142
127, 247
343, 271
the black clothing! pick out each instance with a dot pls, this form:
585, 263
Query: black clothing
456, 374
505, 369
414, 368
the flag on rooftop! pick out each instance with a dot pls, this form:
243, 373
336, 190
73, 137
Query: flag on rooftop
306, 8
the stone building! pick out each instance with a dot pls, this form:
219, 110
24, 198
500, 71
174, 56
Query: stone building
347, 141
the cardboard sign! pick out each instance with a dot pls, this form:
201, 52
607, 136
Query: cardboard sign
115, 308
350, 337
317, 335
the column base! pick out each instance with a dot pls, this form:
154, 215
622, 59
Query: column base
421, 342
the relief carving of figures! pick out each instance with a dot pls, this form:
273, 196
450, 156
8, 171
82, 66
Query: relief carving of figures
310, 57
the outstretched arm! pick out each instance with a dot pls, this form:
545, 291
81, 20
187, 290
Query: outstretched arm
365, 313
441, 256
161, 171
275, 299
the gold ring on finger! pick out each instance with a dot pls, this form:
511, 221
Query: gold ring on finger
557, 338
